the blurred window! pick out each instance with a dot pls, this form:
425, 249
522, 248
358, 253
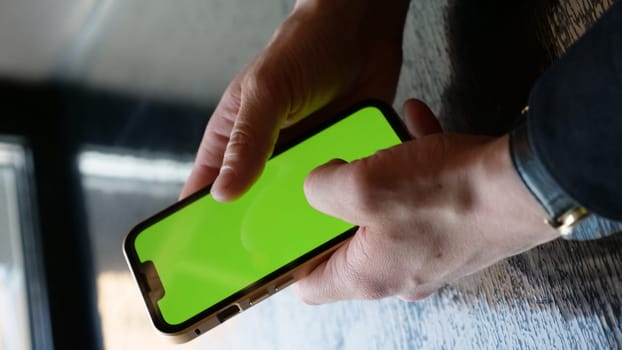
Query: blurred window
24, 318
121, 188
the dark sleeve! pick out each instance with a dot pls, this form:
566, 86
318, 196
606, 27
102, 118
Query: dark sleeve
575, 118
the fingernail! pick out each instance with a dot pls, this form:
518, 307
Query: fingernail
223, 181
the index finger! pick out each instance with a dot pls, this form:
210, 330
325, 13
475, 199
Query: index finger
208, 160
239, 137
263, 109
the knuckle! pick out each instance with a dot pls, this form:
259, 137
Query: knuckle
241, 139
419, 287
301, 293
362, 186
277, 75
211, 158
372, 290
262, 81
421, 283
257, 77
416, 296
415, 281
359, 268
305, 299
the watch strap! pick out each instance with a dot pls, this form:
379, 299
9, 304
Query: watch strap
564, 213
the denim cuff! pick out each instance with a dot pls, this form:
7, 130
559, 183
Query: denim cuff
553, 199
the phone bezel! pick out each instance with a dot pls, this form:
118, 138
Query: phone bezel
292, 270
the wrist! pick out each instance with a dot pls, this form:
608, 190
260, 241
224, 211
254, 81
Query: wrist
516, 214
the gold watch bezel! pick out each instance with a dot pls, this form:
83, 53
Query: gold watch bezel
566, 222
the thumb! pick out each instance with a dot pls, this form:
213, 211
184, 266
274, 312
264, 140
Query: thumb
331, 189
419, 119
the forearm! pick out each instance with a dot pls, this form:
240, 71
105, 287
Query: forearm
575, 119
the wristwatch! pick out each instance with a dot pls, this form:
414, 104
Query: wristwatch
569, 217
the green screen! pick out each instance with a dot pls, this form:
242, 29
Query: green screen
208, 250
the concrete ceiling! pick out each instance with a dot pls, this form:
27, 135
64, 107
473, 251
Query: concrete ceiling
188, 49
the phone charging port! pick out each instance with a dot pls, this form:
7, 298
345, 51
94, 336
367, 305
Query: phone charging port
228, 313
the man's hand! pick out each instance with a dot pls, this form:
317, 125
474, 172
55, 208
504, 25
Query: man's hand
430, 211
325, 57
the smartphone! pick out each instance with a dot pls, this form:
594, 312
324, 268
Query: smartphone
200, 262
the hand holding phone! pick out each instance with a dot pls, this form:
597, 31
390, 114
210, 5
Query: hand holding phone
200, 262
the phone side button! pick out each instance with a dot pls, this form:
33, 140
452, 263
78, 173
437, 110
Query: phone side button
257, 297
284, 284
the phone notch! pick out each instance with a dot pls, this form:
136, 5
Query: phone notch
150, 282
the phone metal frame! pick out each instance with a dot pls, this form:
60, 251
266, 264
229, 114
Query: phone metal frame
264, 287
